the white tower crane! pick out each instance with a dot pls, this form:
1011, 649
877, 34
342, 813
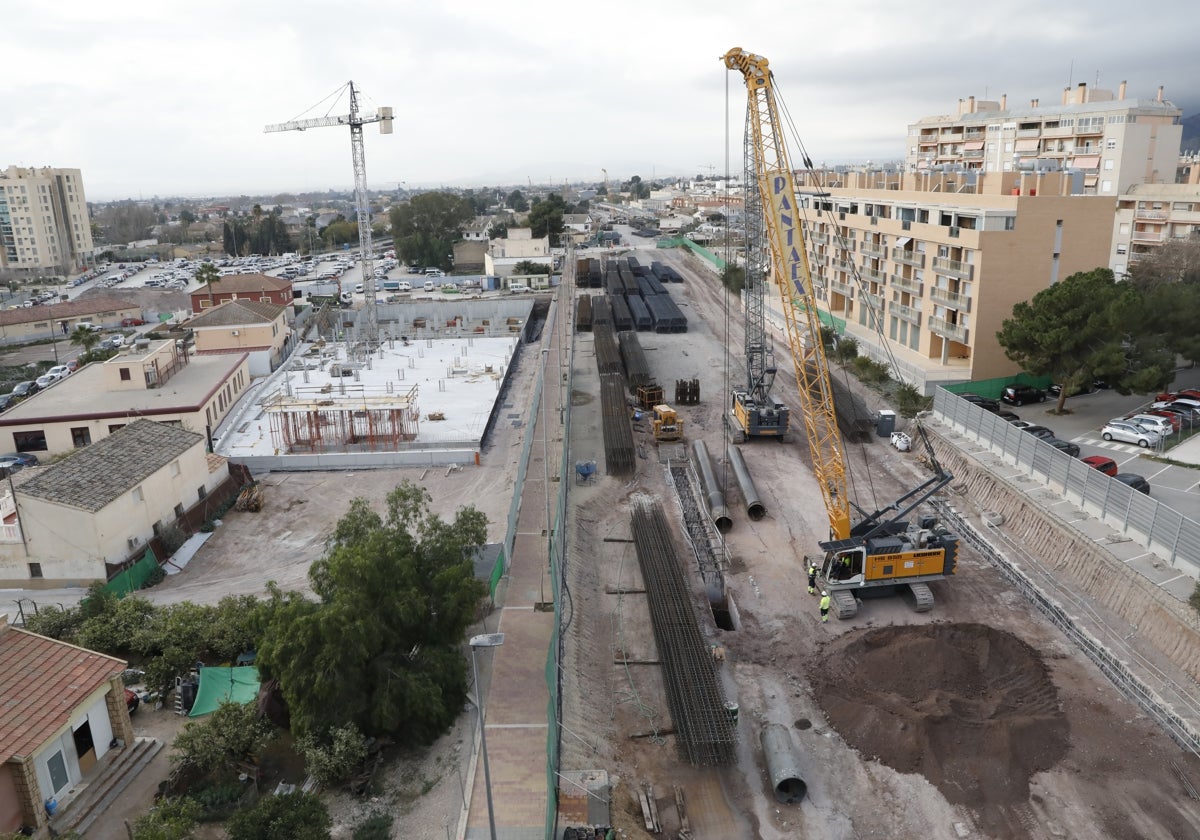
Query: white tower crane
362, 206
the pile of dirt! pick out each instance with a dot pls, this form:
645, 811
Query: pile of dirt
969, 707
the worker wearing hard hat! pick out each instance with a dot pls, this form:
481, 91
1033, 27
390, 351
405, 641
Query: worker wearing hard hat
824, 605
812, 578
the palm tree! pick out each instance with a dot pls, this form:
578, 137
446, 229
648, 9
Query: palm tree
85, 337
207, 274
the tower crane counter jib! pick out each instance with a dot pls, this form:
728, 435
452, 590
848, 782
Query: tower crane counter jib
880, 551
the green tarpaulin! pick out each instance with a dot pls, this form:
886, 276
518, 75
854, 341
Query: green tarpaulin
217, 685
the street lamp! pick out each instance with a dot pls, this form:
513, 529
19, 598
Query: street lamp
486, 640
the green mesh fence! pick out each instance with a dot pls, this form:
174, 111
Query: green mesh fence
497, 573
135, 577
699, 250
992, 388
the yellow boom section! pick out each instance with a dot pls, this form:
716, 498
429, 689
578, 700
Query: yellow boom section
789, 260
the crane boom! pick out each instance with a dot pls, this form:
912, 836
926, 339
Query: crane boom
775, 185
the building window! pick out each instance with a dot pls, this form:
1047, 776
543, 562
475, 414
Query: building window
914, 337
125, 375
1108, 164
1106, 186
34, 441
1121, 249
174, 468
201, 492
81, 436
115, 427
179, 511
35, 570
137, 494
157, 526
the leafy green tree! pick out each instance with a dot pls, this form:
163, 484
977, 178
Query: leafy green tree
546, 217
206, 275
292, 816
378, 826
733, 278
340, 232
1080, 329
381, 646
170, 819
637, 188
218, 741
1169, 281
516, 201
425, 229
85, 338
186, 217
528, 267
335, 760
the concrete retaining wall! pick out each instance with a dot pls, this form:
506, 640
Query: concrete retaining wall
1169, 625
359, 460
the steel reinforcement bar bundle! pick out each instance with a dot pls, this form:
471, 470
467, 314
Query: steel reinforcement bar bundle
703, 725
618, 435
636, 372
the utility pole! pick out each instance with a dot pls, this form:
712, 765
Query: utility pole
362, 204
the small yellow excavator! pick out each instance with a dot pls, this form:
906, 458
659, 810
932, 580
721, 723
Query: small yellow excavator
667, 425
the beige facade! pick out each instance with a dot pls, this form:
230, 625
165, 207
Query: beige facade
244, 326
1113, 141
151, 379
520, 245
942, 258
44, 223
59, 320
1148, 217
66, 521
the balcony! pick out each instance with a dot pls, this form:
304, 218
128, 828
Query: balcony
818, 239
952, 299
872, 301
1149, 236
1029, 132
842, 288
907, 313
906, 284
973, 153
872, 274
975, 134
944, 328
913, 258
954, 268
842, 265
1089, 129
1151, 215
870, 249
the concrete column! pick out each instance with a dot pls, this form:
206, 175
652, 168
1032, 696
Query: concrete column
118, 712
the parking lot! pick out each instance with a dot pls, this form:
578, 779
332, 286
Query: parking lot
1171, 484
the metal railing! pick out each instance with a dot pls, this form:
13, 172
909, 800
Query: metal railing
913, 258
943, 327
956, 268
952, 299
906, 284
908, 313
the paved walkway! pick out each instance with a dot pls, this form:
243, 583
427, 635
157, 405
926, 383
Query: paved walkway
516, 701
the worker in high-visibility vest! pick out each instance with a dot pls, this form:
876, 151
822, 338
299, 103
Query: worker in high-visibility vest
824, 605
812, 578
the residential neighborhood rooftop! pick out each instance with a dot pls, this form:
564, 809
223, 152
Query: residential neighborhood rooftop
236, 312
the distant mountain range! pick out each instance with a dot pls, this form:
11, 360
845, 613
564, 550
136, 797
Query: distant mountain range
1191, 134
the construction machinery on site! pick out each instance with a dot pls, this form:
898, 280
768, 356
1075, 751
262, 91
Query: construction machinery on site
870, 554
667, 424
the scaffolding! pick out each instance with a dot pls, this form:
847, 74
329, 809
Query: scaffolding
322, 421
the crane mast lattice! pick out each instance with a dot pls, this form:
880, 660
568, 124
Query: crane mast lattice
369, 336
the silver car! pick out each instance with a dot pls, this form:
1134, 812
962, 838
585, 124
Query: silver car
1129, 433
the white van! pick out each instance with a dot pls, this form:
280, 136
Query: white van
518, 289
430, 286
358, 287
434, 272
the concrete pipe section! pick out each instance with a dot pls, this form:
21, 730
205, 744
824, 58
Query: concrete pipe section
782, 765
712, 490
755, 509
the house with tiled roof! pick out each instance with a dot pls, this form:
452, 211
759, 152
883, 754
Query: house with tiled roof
260, 287
77, 519
63, 720
245, 326
60, 319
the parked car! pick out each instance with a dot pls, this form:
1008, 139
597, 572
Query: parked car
1153, 422
8, 401
1189, 415
1171, 418
72, 365
116, 340
1127, 432
27, 459
1103, 463
1040, 432
1135, 481
985, 403
1021, 394
60, 371
1021, 424
8, 466
26, 389
132, 322
1008, 415
1071, 449
46, 380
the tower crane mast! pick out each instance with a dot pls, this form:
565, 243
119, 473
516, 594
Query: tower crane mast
880, 551
362, 205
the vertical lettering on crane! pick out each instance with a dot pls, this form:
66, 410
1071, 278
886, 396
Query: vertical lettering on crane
783, 203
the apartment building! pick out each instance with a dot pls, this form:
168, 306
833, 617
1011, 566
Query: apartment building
1149, 216
1114, 141
940, 258
44, 224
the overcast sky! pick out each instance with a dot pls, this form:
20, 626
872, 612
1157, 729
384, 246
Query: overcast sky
170, 98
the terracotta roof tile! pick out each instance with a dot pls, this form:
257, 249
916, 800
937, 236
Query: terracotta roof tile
245, 283
90, 305
42, 683
233, 313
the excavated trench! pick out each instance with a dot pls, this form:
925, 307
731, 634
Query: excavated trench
970, 707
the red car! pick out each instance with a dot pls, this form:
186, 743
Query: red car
132, 322
1171, 396
1100, 462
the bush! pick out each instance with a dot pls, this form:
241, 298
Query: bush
847, 350
55, 622
910, 401
227, 736
171, 819
336, 760
292, 816
1194, 598
378, 826
218, 800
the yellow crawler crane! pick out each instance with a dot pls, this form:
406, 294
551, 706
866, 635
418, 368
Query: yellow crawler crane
876, 553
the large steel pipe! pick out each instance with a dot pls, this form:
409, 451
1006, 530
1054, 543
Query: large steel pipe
782, 765
712, 490
754, 506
